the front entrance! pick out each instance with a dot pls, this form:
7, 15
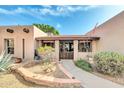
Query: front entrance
66, 49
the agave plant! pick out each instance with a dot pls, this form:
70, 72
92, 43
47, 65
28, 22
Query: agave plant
5, 61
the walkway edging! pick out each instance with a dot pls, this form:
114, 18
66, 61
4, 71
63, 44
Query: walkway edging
47, 80
87, 79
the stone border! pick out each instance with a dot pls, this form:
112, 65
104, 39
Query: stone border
65, 71
48, 80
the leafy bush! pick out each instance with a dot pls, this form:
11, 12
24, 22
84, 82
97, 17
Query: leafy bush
83, 64
45, 49
110, 63
47, 53
48, 67
5, 61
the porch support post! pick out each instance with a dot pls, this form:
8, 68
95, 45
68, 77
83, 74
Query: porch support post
40, 43
75, 50
94, 47
37, 43
57, 50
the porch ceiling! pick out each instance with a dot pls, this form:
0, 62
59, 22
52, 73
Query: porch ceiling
68, 37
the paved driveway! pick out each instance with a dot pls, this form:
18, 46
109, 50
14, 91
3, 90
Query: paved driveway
87, 79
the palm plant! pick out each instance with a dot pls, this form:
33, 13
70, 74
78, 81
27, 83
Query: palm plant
5, 61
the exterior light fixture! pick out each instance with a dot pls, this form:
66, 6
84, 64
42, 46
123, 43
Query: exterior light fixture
26, 30
9, 30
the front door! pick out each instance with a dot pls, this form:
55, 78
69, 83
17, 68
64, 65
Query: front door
66, 50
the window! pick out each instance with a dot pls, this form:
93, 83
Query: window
9, 46
48, 43
84, 46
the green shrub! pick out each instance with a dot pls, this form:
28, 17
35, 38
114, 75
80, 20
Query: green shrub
45, 49
83, 64
48, 67
47, 28
110, 63
47, 53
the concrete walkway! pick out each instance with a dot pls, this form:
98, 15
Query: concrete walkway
87, 79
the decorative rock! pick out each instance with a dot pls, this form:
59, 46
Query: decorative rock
73, 77
18, 60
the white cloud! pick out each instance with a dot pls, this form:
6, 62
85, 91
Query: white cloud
90, 7
4, 11
12, 12
47, 10
47, 6
58, 25
64, 10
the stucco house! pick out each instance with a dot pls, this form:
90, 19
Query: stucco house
111, 34
21, 41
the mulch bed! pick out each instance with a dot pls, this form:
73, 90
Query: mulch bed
12, 80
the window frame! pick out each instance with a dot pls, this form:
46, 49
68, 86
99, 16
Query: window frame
8, 46
84, 45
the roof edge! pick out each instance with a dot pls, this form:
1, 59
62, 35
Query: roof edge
90, 32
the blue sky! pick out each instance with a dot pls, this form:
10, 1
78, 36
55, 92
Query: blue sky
67, 19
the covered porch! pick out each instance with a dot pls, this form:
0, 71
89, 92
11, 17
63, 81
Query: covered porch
69, 47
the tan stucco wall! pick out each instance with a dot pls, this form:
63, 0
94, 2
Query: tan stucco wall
57, 50
111, 34
84, 55
37, 33
75, 50
18, 35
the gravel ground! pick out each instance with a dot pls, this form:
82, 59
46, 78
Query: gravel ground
13, 80
16, 81
117, 79
38, 70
